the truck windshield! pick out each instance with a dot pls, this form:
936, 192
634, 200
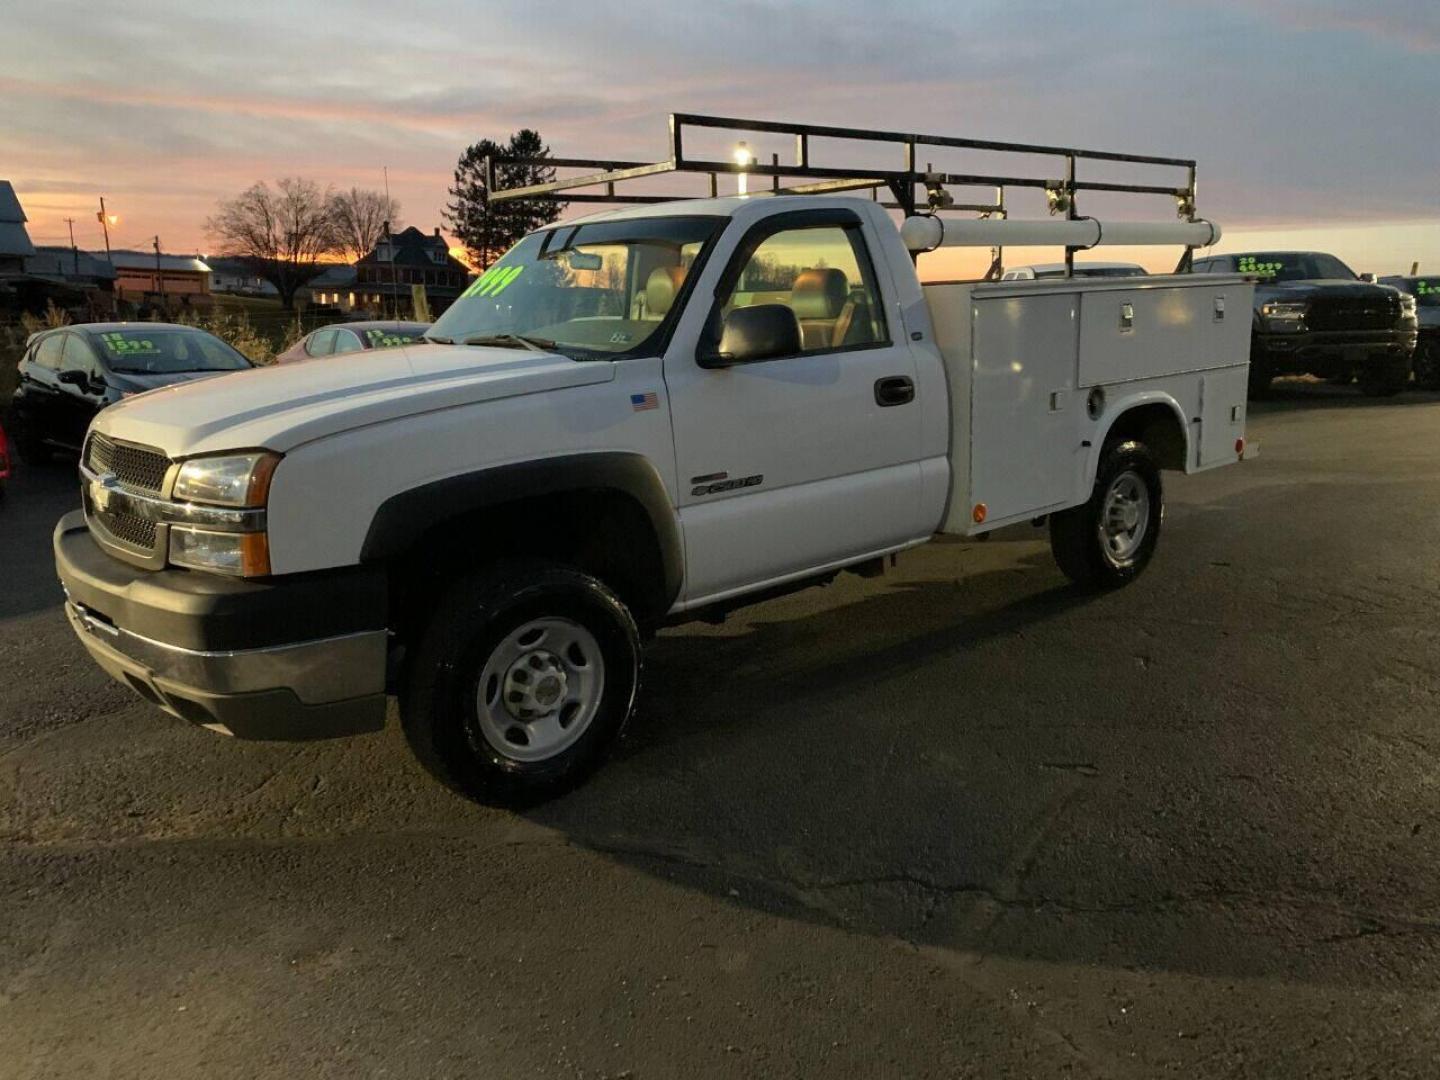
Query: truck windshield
603, 290
1426, 291
1293, 266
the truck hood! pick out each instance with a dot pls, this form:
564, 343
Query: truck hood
280, 407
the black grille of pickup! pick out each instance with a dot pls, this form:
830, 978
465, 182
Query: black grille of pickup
136, 467
1352, 313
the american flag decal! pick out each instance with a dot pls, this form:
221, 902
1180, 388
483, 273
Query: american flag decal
644, 402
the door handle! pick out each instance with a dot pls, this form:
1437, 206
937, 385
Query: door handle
894, 390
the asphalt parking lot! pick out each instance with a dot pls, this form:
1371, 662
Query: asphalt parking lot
958, 821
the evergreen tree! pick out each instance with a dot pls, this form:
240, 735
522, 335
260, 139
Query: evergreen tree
489, 231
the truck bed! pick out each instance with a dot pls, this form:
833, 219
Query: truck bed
1039, 371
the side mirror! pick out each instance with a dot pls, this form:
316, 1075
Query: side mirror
1368, 277
78, 379
761, 332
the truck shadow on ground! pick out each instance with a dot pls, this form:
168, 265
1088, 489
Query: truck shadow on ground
1001, 764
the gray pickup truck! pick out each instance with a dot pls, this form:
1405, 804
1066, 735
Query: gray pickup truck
1315, 316
1426, 291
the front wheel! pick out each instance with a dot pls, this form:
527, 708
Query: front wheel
1106, 541
1385, 380
1427, 365
521, 683
28, 446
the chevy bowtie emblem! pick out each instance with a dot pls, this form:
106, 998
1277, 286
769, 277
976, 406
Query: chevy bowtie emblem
100, 494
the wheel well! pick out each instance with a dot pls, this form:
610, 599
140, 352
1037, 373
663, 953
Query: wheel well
1155, 425
602, 532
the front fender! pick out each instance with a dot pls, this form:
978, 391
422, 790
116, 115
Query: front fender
403, 518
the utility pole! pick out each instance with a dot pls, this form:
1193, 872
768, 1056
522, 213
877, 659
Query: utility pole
105, 224
159, 277
394, 272
74, 251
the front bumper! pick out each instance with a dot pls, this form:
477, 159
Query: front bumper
1332, 352
285, 659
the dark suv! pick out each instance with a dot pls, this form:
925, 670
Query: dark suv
1314, 316
1426, 291
69, 374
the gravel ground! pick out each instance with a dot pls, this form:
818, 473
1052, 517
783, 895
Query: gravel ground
958, 821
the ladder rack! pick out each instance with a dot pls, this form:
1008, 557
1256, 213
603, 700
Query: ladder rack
902, 181
908, 187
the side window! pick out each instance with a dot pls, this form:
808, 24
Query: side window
79, 356
320, 343
824, 275
49, 351
346, 342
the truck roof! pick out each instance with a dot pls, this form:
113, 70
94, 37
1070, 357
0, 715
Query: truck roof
726, 206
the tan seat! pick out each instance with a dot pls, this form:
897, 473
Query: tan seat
661, 288
820, 298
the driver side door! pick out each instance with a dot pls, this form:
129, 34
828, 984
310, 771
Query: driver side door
806, 461
81, 390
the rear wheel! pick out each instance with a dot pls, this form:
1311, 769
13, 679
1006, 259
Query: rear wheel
1106, 541
521, 683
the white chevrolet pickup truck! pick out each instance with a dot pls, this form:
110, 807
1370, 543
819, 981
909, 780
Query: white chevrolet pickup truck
637, 418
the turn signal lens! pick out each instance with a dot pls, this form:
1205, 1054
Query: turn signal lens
238, 554
978, 514
1239, 447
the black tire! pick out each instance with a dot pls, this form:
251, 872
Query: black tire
1077, 535
441, 705
28, 446
1427, 366
1260, 376
1385, 379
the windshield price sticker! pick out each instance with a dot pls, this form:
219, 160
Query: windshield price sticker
1249, 265
1427, 288
121, 345
494, 281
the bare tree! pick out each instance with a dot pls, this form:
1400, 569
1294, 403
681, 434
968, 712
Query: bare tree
360, 216
281, 233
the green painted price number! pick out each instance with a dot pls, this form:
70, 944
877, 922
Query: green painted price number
494, 281
121, 345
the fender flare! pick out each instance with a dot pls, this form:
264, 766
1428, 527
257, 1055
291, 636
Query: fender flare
406, 516
1114, 410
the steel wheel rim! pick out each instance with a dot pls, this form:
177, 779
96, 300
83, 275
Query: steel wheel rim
1124, 517
540, 689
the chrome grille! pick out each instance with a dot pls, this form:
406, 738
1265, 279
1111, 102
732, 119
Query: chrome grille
136, 467
128, 529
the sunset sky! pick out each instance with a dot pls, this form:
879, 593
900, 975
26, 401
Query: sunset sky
1314, 123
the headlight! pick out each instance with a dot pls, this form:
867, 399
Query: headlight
227, 480
235, 542
1285, 316
1407, 305
244, 554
